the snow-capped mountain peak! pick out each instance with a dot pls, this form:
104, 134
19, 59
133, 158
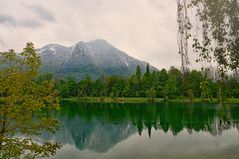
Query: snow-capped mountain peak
94, 58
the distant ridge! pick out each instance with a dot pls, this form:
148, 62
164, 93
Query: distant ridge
94, 58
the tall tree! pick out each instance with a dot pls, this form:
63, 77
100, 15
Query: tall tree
218, 37
138, 73
147, 69
194, 80
146, 79
174, 83
23, 102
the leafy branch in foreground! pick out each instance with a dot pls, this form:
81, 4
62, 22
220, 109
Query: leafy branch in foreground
217, 34
23, 104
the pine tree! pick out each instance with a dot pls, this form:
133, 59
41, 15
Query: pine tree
138, 73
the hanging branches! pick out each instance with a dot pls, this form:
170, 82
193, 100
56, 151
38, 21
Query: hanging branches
183, 26
219, 38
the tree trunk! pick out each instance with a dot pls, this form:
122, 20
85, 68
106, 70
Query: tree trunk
1, 142
2, 131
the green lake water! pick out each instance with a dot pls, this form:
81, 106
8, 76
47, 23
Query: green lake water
147, 131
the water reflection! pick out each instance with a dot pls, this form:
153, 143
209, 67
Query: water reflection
99, 127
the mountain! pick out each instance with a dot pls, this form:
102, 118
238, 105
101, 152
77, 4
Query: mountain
91, 135
85, 135
94, 58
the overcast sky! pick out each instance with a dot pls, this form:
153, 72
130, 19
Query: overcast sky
145, 29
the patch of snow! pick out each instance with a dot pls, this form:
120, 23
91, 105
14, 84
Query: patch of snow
126, 62
53, 50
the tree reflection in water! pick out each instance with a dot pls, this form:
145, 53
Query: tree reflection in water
172, 117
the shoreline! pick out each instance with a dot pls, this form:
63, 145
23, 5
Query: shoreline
144, 100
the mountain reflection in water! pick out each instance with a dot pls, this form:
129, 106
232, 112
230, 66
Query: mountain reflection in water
98, 127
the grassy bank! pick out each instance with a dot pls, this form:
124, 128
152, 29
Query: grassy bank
112, 100
143, 100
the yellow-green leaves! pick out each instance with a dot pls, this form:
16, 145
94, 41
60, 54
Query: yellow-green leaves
22, 105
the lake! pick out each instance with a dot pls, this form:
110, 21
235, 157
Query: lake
147, 131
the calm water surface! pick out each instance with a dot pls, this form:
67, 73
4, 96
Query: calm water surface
147, 131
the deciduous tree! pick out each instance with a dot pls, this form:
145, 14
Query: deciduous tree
23, 102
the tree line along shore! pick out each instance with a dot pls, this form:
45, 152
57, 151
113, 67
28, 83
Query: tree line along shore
162, 85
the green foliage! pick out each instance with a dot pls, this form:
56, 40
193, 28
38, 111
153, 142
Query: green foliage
232, 86
220, 31
44, 77
23, 99
138, 73
151, 94
191, 95
67, 88
194, 79
156, 84
147, 70
173, 87
217, 39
